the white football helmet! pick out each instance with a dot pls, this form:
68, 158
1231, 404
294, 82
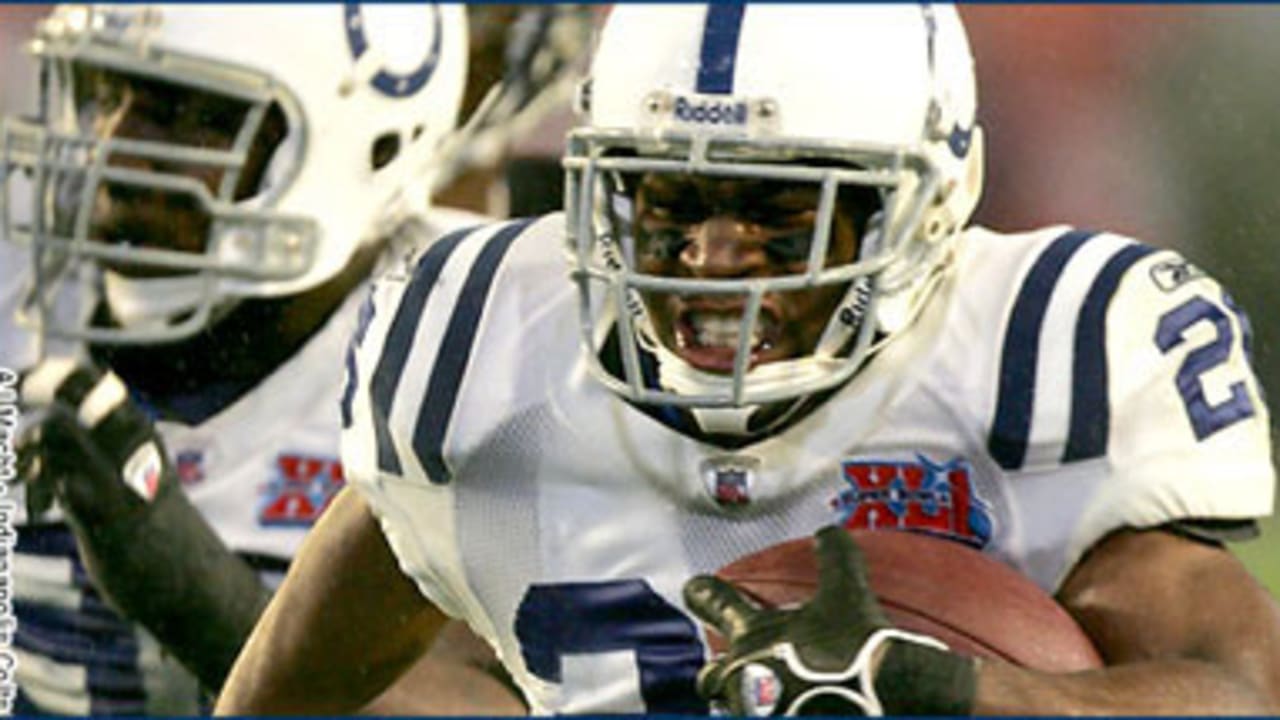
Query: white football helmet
833, 95
367, 93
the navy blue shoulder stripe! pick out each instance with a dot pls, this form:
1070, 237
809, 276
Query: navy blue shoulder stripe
720, 32
1011, 429
1090, 405
363, 319
455, 353
395, 350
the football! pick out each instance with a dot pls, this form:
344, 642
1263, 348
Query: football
975, 604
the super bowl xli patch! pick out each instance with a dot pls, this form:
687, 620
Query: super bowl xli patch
301, 487
938, 498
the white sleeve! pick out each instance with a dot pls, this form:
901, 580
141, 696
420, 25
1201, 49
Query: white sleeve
399, 498
1189, 431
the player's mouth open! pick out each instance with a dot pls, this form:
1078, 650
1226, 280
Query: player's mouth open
708, 339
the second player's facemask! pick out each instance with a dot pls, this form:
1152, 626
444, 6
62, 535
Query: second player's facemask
142, 169
186, 157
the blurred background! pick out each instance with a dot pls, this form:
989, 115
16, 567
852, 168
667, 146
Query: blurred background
1157, 122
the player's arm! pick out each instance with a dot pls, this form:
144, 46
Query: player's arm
344, 625
145, 546
459, 676
1182, 626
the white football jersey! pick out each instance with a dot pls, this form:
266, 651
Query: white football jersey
1060, 385
260, 471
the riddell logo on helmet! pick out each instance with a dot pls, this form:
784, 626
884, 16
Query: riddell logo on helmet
711, 112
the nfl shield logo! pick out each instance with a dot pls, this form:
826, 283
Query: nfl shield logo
729, 479
189, 466
731, 487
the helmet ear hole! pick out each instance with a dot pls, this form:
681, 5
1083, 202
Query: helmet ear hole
385, 149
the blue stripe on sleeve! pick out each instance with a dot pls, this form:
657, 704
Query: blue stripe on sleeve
1090, 405
363, 320
455, 353
395, 351
719, 58
1011, 429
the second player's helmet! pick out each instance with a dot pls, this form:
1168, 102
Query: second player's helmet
880, 97
356, 99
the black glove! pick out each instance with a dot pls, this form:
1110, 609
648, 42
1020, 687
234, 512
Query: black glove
147, 548
835, 655
87, 444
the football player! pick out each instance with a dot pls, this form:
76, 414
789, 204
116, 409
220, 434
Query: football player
224, 179
778, 323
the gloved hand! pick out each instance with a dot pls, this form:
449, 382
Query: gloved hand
835, 655
149, 551
85, 442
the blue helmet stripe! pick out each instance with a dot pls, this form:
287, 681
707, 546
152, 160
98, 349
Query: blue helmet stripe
456, 346
395, 352
1011, 430
719, 57
1090, 408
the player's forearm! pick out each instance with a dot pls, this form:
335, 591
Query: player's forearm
344, 625
449, 680
147, 548
166, 569
282, 672
1173, 687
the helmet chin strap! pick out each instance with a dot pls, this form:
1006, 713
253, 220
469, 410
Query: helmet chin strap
143, 303
676, 375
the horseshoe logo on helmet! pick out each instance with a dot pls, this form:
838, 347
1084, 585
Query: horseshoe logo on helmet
385, 81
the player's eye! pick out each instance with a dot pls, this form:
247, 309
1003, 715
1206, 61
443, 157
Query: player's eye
790, 248
663, 244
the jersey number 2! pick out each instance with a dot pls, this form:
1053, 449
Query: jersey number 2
1206, 419
598, 617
